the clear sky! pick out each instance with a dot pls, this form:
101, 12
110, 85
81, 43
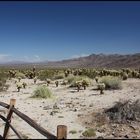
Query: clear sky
34, 31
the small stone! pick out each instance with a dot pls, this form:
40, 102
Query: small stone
126, 136
100, 137
52, 113
91, 105
46, 108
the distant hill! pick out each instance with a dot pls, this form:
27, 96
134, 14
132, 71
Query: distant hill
101, 61
93, 60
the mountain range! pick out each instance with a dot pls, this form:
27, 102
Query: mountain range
93, 60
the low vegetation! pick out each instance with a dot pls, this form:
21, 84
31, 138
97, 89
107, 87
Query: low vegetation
3, 78
89, 133
111, 82
42, 92
73, 132
72, 80
125, 111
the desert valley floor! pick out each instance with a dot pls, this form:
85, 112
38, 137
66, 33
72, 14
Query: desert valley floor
69, 107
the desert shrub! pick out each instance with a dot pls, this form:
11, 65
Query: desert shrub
3, 78
44, 74
59, 76
73, 131
124, 111
73, 79
91, 73
42, 92
111, 82
21, 75
89, 133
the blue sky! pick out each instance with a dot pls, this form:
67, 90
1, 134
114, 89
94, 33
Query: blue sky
36, 31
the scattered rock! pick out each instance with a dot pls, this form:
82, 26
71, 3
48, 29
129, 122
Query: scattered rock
47, 107
60, 116
100, 137
91, 105
126, 136
55, 106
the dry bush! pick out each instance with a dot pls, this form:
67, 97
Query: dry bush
122, 112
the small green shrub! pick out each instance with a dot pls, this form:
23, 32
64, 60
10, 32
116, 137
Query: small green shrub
73, 79
111, 82
89, 133
3, 78
59, 76
21, 75
73, 131
42, 92
44, 74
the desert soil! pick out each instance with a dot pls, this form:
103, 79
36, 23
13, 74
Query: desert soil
65, 108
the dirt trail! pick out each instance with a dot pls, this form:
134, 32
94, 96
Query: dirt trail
69, 102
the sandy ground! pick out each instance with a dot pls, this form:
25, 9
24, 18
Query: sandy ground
67, 103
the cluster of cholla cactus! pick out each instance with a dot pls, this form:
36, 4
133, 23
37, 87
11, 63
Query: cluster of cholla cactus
12, 73
80, 84
135, 74
101, 87
30, 74
84, 84
67, 72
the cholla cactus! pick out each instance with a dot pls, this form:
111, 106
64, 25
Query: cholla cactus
19, 86
12, 73
101, 87
48, 81
56, 83
124, 76
34, 69
78, 85
19, 78
24, 84
66, 74
96, 79
35, 79
84, 84
64, 82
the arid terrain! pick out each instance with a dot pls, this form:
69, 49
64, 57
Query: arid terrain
71, 108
